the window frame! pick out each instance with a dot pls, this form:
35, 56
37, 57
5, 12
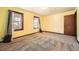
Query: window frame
22, 19
38, 27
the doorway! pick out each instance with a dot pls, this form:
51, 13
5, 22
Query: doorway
70, 25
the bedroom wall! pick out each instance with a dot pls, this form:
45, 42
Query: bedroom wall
52, 23
28, 22
3, 22
55, 23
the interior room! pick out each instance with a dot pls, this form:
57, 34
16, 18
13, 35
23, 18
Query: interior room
39, 29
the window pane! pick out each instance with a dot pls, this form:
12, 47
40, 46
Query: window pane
17, 21
36, 23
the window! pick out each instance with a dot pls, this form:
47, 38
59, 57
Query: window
36, 24
17, 20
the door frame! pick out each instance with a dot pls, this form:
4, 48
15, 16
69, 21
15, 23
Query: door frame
75, 25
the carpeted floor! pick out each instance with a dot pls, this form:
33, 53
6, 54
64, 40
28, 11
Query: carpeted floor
42, 42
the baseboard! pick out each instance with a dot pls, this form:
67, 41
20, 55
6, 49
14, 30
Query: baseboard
54, 32
61, 34
24, 35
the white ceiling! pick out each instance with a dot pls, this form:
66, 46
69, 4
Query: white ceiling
48, 10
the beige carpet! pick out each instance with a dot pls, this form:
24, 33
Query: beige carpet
42, 42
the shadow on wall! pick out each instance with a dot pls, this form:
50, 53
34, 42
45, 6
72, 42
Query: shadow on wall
8, 36
5, 25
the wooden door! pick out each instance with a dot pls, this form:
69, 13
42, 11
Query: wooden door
70, 25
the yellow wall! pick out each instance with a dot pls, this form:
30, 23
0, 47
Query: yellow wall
55, 23
78, 23
28, 22
3, 22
